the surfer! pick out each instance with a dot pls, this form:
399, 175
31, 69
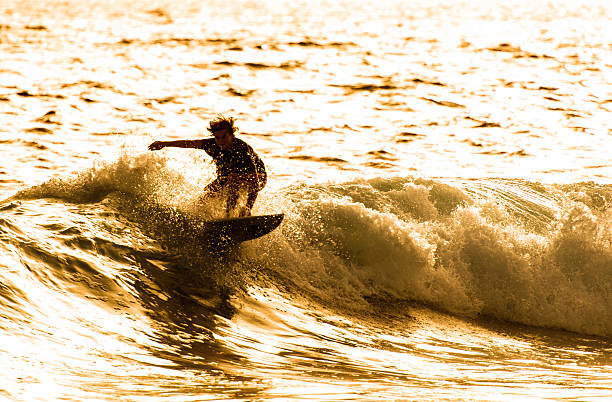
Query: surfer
239, 168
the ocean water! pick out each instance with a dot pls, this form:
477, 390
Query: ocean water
444, 169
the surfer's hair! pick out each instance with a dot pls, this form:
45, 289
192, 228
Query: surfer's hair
222, 123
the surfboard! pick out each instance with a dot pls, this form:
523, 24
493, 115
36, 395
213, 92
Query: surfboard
238, 230
181, 228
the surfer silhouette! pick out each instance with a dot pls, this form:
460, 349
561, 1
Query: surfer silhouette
239, 168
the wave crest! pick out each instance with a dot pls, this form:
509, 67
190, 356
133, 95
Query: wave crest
529, 254
518, 251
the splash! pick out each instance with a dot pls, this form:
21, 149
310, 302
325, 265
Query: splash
511, 250
142, 175
147, 179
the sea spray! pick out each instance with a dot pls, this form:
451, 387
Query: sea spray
513, 250
476, 255
146, 176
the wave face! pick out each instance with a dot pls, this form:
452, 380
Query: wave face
366, 282
517, 251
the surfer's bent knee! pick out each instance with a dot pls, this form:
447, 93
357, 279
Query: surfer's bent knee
215, 185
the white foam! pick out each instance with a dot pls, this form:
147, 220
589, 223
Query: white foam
508, 249
430, 242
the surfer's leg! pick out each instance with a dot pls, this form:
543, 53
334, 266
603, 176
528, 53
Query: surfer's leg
251, 197
253, 189
246, 211
209, 191
232, 199
214, 186
233, 188
215, 189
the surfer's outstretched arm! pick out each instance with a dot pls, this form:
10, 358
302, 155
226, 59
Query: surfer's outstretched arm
178, 143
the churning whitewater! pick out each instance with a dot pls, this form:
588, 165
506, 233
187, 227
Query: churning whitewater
517, 251
355, 263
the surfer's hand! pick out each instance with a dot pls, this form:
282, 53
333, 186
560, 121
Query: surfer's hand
156, 145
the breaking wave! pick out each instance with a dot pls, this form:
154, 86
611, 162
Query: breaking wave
513, 250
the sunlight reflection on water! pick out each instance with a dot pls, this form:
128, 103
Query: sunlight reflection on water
325, 91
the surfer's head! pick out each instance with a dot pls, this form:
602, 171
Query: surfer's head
222, 123
223, 130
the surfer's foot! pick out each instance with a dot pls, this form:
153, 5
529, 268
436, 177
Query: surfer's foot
244, 212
